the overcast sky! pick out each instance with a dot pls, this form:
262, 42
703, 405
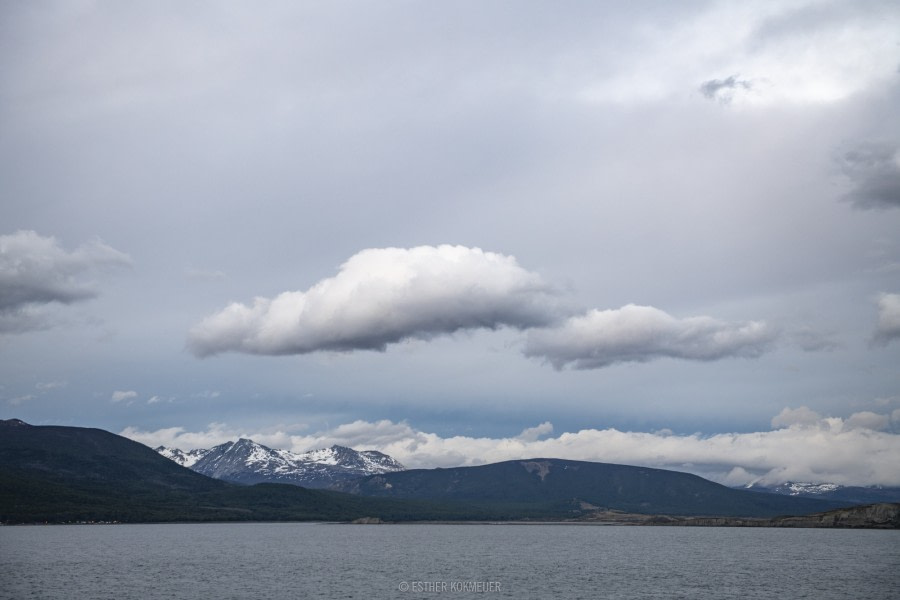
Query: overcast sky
652, 233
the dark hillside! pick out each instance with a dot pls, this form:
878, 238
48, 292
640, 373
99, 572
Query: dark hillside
618, 487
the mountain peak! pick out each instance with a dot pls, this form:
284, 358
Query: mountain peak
246, 461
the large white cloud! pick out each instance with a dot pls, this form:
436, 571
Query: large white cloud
633, 333
36, 271
888, 327
850, 451
382, 296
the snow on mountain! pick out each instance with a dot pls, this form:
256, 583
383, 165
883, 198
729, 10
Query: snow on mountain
185, 459
831, 491
800, 489
795, 488
245, 461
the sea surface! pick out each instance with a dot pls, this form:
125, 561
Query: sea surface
318, 560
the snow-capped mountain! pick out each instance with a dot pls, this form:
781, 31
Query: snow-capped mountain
185, 459
831, 491
245, 461
792, 488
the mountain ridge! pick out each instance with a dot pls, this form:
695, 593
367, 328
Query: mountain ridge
249, 462
58, 474
70, 474
873, 494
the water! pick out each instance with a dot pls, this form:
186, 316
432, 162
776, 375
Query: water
304, 560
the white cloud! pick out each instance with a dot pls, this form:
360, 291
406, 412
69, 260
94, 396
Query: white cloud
177, 437
532, 434
888, 328
849, 452
120, 395
867, 420
795, 416
215, 434
35, 271
633, 333
47, 386
19, 400
382, 296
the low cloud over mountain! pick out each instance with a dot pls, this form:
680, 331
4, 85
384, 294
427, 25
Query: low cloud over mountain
802, 446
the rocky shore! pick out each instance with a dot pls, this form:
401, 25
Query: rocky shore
871, 516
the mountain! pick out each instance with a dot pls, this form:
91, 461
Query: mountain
580, 487
247, 462
832, 491
65, 474
185, 459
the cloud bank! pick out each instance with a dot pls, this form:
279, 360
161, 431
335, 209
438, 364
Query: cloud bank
35, 272
888, 328
633, 333
382, 296
803, 446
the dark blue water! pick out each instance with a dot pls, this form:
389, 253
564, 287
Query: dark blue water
271, 561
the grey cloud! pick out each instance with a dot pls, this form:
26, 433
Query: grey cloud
811, 340
35, 271
382, 296
723, 89
26, 318
874, 170
601, 338
888, 328
867, 420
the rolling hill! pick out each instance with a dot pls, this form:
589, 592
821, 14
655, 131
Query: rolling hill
577, 485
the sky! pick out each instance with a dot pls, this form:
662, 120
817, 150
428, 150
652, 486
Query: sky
649, 233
